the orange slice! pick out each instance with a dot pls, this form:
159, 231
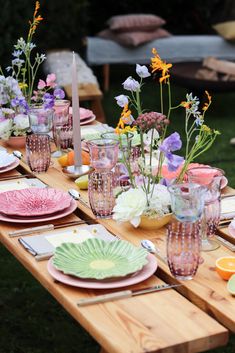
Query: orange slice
225, 266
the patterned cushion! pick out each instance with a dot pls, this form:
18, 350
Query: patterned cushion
133, 39
135, 22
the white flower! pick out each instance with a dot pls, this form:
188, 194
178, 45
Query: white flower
131, 84
160, 201
150, 137
5, 128
142, 71
21, 122
122, 100
129, 206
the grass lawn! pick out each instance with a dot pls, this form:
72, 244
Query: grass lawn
30, 319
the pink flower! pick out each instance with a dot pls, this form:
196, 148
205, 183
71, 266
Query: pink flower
50, 80
41, 84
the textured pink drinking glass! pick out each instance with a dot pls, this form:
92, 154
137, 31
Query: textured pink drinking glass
104, 156
183, 248
38, 152
211, 178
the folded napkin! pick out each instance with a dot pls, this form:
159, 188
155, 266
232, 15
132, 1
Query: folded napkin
46, 243
94, 131
20, 184
227, 208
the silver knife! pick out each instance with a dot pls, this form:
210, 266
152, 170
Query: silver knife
124, 294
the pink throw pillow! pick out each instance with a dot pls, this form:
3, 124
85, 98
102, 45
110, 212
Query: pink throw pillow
135, 22
133, 39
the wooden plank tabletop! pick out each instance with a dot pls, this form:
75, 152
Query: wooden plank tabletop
158, 322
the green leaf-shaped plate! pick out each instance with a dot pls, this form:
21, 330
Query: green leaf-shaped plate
98, 259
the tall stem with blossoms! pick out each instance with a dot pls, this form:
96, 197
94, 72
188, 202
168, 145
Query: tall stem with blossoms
24, 66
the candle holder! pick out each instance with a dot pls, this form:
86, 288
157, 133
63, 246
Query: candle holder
75, 172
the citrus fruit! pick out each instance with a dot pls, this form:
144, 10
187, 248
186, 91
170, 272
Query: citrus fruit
225, 266
85, 158
63, 160
82, 182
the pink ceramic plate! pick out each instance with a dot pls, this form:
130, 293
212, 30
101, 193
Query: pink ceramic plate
88, 121
84, 113
56, 215
33, 202
147, 271
10, 167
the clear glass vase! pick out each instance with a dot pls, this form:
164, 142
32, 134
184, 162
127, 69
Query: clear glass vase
211, 178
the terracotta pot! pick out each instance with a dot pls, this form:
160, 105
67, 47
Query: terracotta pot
16, 142
154, 223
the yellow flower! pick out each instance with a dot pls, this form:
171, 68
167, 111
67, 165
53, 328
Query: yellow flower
206, 129
23, 85
157, 64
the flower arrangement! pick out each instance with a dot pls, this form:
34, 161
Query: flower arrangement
17, 90
158, 163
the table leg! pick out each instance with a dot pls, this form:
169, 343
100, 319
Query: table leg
97, 108
106, 76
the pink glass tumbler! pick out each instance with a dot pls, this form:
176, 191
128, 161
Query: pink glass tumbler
104, 156
38, 153
183, 249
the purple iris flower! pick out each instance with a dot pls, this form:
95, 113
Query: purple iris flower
59, 93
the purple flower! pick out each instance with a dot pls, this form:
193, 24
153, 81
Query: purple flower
131, 85
48, 100
122, 100
59, 93
142, 71
199, 120
21, 104
171, 143
173, 161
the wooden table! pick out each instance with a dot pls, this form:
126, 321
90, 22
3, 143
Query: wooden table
194, 319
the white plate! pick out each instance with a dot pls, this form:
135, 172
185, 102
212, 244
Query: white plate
6, 159
10, 167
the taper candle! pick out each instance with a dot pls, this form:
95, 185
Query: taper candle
76, 116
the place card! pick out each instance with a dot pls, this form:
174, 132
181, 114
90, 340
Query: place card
20, 184
45, 244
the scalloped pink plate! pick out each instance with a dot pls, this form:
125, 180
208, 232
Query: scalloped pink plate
147, 271
84, 113
57, 215
10, 167
33, 202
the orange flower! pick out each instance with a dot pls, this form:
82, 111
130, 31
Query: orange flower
37, 7
158, 65
206, 105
